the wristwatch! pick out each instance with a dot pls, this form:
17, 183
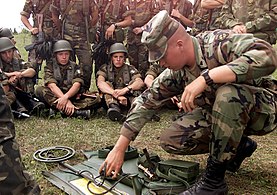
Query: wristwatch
205, 74
130, 89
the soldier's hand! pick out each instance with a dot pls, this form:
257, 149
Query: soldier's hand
240, 29
34, 31
69, 108
122, 100
109, 32
191, 91
61, 103
113, 163
175, 13
137, 30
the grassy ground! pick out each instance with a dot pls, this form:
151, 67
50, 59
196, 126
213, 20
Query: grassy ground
258, 174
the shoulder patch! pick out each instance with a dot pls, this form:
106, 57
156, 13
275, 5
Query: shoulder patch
221, 36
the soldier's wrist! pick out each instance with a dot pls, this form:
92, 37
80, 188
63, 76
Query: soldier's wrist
115, 25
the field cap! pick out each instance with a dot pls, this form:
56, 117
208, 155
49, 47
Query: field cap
156, 34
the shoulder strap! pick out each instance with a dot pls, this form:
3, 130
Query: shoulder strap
47, 5
70, 72
126, 74
86, 7
116, 6
56, 70
67, 9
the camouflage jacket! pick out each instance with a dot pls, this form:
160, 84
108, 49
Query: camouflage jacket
142, 12
17, 64
259, 17
119, 77
7, 129
155, 70
251, 59
33, 7
114, 12
62, 75
183, 6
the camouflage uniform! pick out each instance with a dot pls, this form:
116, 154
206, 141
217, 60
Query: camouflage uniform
63, 77
259, 17
113, 13
183, 6
14, 178
74, 31
33, 7
118, 79
142, 12
204, 19
25, 84
231, 110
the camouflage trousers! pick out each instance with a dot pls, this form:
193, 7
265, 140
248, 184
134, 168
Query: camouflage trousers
14, 180
138, 57
44, 94
238, 110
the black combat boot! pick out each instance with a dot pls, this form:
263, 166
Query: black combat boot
212, 181
85, 114
36, 107
114, 113
245, 149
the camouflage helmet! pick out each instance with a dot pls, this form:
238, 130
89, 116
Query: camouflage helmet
5, 44
62, 45
117, 48
5, 32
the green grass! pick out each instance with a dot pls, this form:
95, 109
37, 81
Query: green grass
258, 174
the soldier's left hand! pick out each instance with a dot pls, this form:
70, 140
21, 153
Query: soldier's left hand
191, 92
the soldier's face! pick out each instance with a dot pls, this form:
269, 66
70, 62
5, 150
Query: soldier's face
118, 59
7, 56
63, 57
173, 57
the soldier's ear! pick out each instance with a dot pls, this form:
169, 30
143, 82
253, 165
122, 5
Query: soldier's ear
180, 44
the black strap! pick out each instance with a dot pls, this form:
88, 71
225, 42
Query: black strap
130, 153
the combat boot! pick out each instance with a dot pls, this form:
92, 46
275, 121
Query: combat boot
85, 114
245, 149
212, 181
114, 113
36, 107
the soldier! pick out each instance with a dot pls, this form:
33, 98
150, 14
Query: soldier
205, 15
14, 177
19, 85
214, 9
119, 82
142, 12
114, 16
43, 29
257, 17
62, 85
76, 18
226, 89
181, 10
5, 32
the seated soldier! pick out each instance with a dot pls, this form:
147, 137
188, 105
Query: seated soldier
63, 80
119, 82
18, 80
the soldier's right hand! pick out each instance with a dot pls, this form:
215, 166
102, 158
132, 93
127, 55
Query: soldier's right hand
34, 31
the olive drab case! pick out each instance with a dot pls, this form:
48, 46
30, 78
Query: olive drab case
142, 173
